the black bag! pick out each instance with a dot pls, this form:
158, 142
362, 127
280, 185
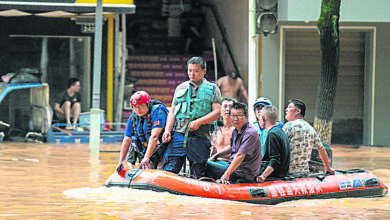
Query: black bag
26, 75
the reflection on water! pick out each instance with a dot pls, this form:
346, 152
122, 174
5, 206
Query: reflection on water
94, 162
42, 181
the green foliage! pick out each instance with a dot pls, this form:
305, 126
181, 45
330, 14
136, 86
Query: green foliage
329, 14
335, 20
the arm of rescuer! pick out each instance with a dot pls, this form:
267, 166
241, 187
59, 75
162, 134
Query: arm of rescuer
325, 159
124, 150
169, 124
210, 117
152, 144
232, 167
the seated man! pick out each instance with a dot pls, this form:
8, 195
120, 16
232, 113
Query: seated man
221, 137
276, 159
68, 106
257, 106
244, 149
303, 138
143, 132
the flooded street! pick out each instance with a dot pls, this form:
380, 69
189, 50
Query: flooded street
46, 181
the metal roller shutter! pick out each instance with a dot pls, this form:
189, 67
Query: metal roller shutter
302, 71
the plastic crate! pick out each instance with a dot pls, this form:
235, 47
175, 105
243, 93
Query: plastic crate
55, 136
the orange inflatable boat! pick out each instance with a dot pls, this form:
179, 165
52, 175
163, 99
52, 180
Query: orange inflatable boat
345, 183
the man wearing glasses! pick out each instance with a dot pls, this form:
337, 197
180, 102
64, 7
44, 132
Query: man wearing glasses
244, 149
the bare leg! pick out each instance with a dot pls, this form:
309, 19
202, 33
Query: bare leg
76, 112
66, 108
60, 116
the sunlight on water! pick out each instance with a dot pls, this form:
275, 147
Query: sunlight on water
125, 195
148, 203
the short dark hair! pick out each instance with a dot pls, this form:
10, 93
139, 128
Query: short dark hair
197, 60
228, 99
72, 81
299, 104
240, 105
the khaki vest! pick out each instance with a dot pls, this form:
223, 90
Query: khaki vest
202, 102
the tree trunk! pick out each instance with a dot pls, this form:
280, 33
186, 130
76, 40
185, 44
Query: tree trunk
328, 28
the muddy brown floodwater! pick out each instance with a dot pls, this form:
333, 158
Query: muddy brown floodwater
58, 181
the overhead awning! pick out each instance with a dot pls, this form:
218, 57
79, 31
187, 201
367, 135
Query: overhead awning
69, 6
61, 14
13, 13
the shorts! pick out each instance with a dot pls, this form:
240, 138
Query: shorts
156, 157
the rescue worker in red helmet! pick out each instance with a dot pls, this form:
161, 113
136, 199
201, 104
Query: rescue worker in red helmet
143, 132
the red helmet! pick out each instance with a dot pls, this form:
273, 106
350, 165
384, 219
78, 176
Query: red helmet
139, 98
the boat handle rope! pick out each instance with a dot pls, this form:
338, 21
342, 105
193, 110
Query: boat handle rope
157, 147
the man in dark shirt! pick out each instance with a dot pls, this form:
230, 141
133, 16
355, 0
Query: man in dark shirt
68, 106
244, 149
276, 158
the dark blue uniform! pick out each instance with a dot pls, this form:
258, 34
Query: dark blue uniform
140, 133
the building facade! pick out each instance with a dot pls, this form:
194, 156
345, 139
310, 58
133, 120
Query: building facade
289, 62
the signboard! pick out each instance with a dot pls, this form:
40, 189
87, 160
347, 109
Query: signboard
88, 28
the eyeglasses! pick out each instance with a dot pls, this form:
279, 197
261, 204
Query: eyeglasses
237, 116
